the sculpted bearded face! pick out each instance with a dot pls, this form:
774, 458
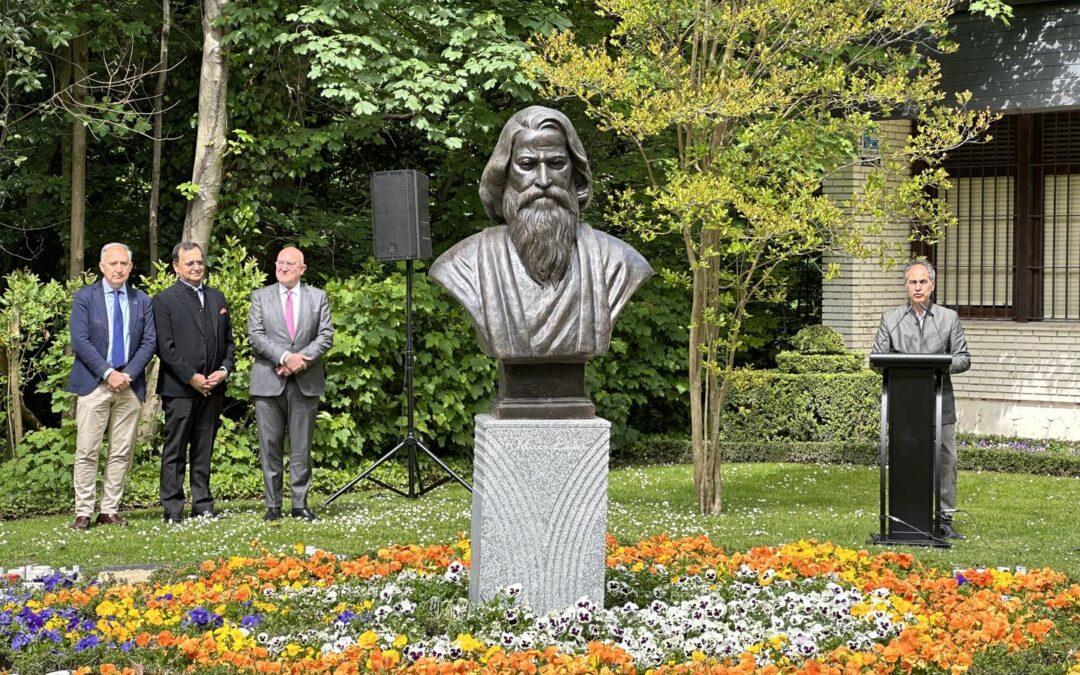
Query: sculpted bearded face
539, 203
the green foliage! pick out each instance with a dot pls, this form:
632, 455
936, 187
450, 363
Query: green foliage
431, 75
40, 477
764, 101
38, 307
640, 386
672, 449
819, 339
771, 406
364, 407
975, 453
37, 348
993, 453
797, 363
347, 87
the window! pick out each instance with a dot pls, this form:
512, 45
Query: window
1015, 252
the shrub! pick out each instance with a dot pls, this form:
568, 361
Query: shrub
773, 406
798, 364
818, 339
976, 453
640, 385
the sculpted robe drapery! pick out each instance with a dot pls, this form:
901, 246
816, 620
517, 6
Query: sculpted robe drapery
517, 319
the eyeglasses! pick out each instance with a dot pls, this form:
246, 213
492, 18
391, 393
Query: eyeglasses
193, 263
287, 263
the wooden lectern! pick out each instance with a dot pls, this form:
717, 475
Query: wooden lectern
910, 440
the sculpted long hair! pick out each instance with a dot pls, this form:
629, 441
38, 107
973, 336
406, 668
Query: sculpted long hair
493, 182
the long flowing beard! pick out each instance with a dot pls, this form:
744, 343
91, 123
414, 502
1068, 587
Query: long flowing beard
543, 227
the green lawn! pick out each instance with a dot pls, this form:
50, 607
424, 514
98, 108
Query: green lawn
1010, 519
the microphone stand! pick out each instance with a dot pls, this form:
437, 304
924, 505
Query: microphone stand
410, 443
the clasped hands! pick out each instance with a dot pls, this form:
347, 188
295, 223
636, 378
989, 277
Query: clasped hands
117, 381
204, 384
294, 363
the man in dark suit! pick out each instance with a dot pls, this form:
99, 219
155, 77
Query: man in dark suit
112, 335
290, 330
195, 344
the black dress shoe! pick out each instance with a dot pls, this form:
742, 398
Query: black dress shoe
949, 532
305, 513
272, 514
172, 518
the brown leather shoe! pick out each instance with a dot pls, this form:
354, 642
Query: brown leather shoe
81, 523
110, 519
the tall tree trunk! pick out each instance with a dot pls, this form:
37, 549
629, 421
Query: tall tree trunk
213, 121
159, 97
80, 65
148, 412
14, 392
705, 385
63, 81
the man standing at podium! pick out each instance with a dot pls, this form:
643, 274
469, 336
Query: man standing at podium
921, 327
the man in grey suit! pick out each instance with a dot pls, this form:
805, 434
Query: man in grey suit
290, 330
921, 327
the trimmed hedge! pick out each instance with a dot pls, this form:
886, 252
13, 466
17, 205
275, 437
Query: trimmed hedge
765, 405
818, 339
797, 363
679, 450
670, 449
1008, 460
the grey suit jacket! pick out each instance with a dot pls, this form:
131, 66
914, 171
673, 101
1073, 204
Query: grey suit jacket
270, 339
940, 333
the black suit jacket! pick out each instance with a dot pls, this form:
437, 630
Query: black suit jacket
191, 339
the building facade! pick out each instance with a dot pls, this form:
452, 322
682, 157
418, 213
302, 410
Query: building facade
1011, 266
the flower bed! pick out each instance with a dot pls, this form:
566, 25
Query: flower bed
673, 606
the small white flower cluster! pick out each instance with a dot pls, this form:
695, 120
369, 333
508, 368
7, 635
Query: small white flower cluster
777, 619
792, 619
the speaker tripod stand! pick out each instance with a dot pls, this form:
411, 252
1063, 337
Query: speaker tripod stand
410, 443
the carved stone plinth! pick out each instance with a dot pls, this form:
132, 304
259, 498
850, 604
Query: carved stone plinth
539, 510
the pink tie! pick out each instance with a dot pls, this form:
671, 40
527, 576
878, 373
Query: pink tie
289, 322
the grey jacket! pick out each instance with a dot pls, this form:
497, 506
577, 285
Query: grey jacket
270, 339
941, 333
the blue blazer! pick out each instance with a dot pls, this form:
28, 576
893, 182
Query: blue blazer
90, 339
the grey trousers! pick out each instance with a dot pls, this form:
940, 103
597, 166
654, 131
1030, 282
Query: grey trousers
946, 471
293, 413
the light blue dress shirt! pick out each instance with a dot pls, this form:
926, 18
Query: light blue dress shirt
125, 310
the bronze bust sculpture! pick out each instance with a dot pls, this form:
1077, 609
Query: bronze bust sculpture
542, 287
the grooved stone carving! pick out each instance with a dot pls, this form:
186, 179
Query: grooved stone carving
539, 510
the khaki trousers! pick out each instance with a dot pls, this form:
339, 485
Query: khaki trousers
95, 412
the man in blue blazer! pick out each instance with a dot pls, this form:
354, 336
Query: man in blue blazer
113, 337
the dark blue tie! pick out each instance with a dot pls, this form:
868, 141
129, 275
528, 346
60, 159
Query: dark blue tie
117, 356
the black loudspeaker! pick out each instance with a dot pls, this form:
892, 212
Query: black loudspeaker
399, 215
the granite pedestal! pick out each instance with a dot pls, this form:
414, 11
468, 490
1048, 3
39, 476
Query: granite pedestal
539, 510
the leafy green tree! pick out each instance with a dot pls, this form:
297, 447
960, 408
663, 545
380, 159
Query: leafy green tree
348, 87
741, 109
